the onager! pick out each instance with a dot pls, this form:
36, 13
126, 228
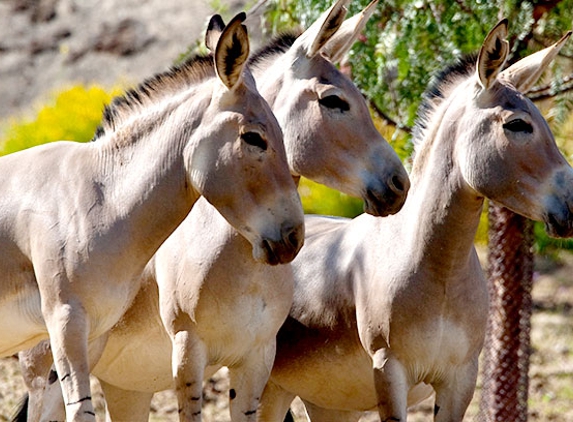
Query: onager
385, 308
221, 307
79, 222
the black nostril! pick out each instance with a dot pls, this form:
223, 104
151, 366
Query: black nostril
293, 238
272, 257
397, 183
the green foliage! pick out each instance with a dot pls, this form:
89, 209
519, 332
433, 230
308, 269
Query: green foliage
219, 6
282, 15
319, 199
544, 244
406, 42
74, 115
482, 234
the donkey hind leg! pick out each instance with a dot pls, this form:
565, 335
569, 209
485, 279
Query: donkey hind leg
189, 360
36, 364
125, 406
275, 403
454, 396
318, 414
46, 401
391, 387
247, 382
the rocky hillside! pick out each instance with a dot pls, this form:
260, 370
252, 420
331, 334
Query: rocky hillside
46, 45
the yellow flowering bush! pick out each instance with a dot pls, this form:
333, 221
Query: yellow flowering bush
74, 116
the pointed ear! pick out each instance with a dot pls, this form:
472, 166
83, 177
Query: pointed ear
525, 73
314, 38
214, 31
492, 54
341, 42
232, 51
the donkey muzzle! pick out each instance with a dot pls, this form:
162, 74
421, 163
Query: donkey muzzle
387, 198
282, 250
560, 224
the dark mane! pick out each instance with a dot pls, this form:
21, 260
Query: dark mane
278, 45
159, 86
437, 92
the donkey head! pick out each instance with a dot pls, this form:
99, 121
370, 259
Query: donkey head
243, 171
328, 132
510, 156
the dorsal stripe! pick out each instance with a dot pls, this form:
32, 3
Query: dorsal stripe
133, 101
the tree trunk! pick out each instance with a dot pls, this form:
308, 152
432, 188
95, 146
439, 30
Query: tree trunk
507, 345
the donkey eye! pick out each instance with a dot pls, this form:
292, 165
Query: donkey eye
333, 102
518, 125
254, 139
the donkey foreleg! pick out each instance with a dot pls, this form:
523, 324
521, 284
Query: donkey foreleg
391, 386
248, 381
454, 395
189, 362
68, 328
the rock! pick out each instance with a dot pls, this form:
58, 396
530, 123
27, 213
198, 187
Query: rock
123, 38
48, 45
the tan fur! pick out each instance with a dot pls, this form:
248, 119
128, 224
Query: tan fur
341, 42
386, 308
78, 222
330, 22
220, 306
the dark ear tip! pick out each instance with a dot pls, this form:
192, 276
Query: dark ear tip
238, 19
216, 21
241, 17
503, 23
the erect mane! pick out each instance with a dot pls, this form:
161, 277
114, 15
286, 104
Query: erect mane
438, 90
278, 45
159, 86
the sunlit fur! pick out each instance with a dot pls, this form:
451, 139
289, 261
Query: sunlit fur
78, 222
222, 307
387, 311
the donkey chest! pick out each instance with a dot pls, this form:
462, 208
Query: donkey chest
434, 346
245, 316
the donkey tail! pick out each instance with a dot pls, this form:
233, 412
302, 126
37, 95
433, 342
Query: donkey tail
21, 414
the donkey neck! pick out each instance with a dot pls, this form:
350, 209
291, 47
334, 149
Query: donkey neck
142, 172
269, 74
445, 208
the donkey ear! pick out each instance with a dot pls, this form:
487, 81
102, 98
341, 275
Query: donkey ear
525, 73
493, 54
314, 38
341, 42
232, 51
214, 31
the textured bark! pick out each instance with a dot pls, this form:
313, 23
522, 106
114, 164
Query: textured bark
507, 345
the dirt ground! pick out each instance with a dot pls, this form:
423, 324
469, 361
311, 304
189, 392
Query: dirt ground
551, 371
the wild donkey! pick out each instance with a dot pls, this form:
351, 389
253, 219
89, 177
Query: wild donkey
78, 222
384, 307
221, 307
